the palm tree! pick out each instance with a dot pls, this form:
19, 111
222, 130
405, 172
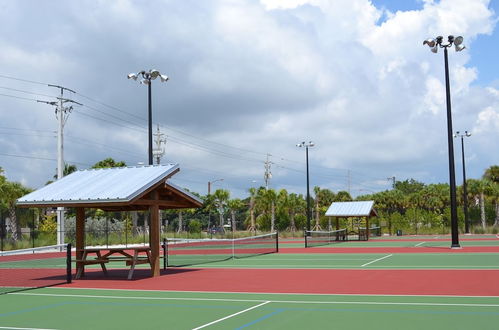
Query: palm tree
180, 222
221, 197
282, 202
492, 174
252, 203
317, 191
109, 162
9, 193
265, 203
293, 204
343, 196
493, 193
234, 205
477, 188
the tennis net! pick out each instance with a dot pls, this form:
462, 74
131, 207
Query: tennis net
35, 268
319, 238
182, 252
373, 231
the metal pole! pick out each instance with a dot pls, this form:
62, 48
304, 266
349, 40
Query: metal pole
452, 175
465, 192
150, 119
68, 263
308, 193
60, 168
165, 253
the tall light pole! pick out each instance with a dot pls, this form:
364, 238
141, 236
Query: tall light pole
147, 78
465, 192
434, 44
210, 183
307, 145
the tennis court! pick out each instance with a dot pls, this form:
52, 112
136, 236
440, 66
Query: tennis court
339, 285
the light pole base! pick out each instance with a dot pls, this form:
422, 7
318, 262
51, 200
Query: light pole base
455, 246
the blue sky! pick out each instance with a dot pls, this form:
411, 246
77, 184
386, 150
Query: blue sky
250, 78
485, 47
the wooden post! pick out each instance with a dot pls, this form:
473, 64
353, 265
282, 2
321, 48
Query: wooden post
154, 241
367, 228
80, 237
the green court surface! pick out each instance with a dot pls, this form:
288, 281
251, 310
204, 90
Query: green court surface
380, 242
60, 308
364, 261
327, 261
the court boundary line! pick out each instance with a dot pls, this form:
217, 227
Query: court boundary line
263, 300
232, 315
14, 328
275, 293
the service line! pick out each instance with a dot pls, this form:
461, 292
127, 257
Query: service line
370, 262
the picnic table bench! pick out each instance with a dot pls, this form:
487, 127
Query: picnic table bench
131, 255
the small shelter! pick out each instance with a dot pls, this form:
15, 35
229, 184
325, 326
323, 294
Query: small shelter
360, 209
116, 189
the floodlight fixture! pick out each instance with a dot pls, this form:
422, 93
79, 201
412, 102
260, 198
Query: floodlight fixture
429, 42
436, 43
147, 77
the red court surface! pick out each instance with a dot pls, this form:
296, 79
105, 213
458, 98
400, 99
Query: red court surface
311, 281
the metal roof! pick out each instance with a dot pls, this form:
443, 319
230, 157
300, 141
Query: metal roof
108, 185
351, 209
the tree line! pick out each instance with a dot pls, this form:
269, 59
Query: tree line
411, 206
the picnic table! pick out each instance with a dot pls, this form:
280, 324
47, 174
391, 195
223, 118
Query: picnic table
131, 255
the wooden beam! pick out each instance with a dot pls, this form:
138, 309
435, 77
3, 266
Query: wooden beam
154, 238
80, 236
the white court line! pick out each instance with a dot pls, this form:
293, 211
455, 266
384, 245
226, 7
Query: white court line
370, 262
232, 315
421, 243
24, 328
276, 301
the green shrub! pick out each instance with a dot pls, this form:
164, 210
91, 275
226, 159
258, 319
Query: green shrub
194, 226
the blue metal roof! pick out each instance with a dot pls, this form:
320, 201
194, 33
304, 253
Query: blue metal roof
101, 185
351, 209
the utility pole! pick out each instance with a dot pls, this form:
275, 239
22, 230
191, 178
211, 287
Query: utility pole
62, 114
268, 174
159, 151
392, 178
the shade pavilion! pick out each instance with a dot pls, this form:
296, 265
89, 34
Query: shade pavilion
116, 189
358, 209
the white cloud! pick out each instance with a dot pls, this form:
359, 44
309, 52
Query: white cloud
260, 76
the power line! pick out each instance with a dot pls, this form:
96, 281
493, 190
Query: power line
199, 146
24, 80
41, 158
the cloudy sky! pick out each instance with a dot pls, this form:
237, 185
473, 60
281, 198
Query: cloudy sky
250, 78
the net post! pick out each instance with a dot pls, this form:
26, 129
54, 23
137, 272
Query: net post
305, 235
165, 254
277, 241
68, 263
